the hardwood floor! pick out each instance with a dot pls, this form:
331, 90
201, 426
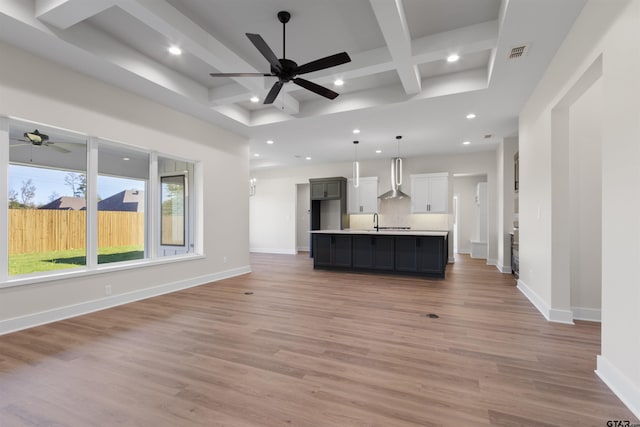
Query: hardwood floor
287, 345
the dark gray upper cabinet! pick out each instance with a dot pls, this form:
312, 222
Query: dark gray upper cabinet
328, 188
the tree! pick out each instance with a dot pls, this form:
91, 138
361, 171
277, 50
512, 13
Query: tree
13, 199
53, 196
77, 182
27, 192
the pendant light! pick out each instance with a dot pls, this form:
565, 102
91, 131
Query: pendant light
397, 176
356, 167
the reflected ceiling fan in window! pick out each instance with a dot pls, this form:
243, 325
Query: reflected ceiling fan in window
39, 140
287, 70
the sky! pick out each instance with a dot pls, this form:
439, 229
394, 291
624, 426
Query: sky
50, 181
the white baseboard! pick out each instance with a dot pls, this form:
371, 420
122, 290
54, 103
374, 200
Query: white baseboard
278, 251
590, 314
464, 251
43, 317
491, 261
552, 315
619, 384
561, 316
302, 248
506, 269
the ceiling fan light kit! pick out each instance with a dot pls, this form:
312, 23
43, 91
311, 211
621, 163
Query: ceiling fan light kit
287, 70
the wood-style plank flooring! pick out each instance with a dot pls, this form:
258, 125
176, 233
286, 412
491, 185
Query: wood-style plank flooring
312, 348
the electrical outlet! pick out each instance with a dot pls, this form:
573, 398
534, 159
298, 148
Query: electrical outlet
107, 289
224, 259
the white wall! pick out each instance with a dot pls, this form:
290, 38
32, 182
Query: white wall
41, 91
272, 214
585, 136
465, 188
606, 33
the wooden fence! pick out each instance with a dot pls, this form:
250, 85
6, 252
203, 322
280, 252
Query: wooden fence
35, 230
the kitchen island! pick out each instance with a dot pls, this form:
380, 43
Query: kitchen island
423, 253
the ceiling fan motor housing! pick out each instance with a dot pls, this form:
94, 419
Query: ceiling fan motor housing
288, 71
284, 16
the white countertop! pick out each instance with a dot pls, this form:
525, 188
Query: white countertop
385, 232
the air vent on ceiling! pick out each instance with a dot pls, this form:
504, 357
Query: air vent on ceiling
488, 136
518, 51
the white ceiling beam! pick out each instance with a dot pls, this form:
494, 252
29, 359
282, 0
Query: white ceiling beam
164, 18
62, 14
228, 94
436, 47
392, 22
99, 44
470, 39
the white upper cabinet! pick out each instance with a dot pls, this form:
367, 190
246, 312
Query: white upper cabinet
430, 193
363, 199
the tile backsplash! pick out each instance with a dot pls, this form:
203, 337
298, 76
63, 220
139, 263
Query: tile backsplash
397, 213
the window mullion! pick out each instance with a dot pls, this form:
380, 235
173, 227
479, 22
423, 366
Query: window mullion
152, 212
92, 203
4, 199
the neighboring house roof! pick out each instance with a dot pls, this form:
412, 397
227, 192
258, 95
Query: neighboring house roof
66, 203
127, 201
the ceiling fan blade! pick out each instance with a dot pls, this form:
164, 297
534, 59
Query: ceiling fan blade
320, 90
265, 50
241, 75
273, 93
19, 145
321, 64
56, 148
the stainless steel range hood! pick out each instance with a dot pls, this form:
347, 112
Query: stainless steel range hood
396, 182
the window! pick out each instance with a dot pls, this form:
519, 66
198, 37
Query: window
173, 210
121, 197
175, 206
47, 204
76, 202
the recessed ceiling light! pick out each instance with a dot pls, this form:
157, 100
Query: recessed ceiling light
471, 116
466, 143
453, 57
338, 82
256, 155
254, 99
356, 131
307, 158
270, 142
378, 151
175, 50
126, 158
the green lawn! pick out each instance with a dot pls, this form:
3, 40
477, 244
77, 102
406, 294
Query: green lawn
47, 261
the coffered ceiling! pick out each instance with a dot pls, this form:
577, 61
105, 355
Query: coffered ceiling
398, 82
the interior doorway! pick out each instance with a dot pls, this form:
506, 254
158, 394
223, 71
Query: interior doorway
303, 218
576, 200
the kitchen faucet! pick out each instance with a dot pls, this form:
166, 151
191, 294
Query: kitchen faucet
375, 221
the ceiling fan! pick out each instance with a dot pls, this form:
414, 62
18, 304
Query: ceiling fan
39, 140
287, 70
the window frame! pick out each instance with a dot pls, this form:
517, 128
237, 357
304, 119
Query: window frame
192, 217
185, 209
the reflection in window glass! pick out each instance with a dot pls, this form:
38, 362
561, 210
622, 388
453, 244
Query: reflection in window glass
47, 204
173, 210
